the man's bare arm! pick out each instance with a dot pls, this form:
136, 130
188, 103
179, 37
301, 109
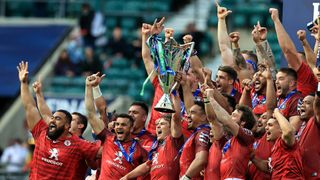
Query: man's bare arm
287, 130
42, 105
198, 164
285, 42
176, 128
96, 124
32, 113
224, 117
223, 38
217, 129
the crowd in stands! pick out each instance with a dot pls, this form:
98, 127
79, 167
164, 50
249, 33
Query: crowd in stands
252, 121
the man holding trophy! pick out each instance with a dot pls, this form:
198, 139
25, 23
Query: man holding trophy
169, 57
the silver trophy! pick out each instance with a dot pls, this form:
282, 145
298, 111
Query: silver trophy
169, 57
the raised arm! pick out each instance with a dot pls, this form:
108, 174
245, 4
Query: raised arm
224, 118
42, 105
216, 127
264, 52
311, 57
246, 96
99, 100
195, 61
239, 61
223, 38
96, 124
316, 34
176, 128
146, 31
32, 113
271, 98
285, 42
187, 94
287, 130
145, 51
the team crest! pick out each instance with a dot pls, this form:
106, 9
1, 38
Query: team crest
119, 156
155, 158
67, 143
54, 153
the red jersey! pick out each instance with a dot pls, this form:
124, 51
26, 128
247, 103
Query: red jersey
155, 114
237, 86
144, 138
199, 141
310, 147
262, 149
286, 163
114, 164
236, 155
289, 106
58, 159
165, 161
307, 81
215, 155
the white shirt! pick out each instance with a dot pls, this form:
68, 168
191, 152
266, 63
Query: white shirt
14, 158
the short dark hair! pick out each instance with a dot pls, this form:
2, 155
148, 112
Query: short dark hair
82, 120
231, 101
127, 116
200, 104
143, 105
289, 72
247, 116
68, 115
230, 71
251, 54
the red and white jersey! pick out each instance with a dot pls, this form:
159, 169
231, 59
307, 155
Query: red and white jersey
215, 155
145, 139
197, 142
165, 161
289, 106
262, 150
307, 82
286, 163
236, 155
114, 164
58, 159
310, 148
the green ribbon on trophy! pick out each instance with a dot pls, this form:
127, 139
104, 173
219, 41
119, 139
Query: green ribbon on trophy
169, 57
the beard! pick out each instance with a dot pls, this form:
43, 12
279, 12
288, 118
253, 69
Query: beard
53, 135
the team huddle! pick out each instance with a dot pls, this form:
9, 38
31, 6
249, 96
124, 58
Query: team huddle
252, 121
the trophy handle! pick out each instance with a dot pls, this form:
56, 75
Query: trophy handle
173, 87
